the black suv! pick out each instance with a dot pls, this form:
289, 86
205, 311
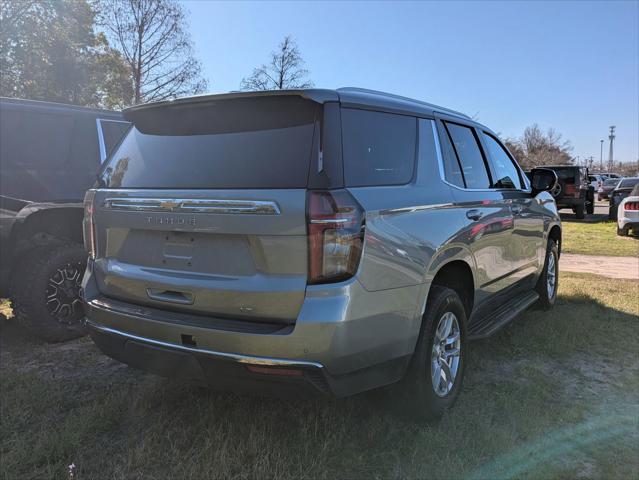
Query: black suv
49, 156
574, 190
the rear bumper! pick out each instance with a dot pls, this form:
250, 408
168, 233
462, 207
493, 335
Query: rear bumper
570, 202
627, 219
215, 369
241, 373
345, 341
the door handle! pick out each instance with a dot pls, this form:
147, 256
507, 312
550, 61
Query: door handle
171, 296
516, 209
474, 214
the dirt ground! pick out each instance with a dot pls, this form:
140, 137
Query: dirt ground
611, 267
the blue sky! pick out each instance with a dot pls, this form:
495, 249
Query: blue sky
570, 65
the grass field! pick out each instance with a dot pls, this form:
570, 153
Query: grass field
597, 239
554, 395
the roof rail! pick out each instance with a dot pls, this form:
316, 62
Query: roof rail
400, 97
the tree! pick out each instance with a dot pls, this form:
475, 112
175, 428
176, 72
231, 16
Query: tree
284, 71
49, 51
535, 148
153, 39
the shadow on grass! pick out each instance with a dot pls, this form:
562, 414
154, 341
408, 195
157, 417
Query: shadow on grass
536, 398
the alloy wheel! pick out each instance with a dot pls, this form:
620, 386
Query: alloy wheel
445, 355
551, 275
63, 294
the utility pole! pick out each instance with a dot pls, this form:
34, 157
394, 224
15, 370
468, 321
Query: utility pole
611, 137
601, 158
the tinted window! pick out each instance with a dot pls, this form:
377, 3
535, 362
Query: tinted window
35, 139
505, 172
469, 155
568, 175
247, 143
378, 148
112, 132
611, 182
452, 168
628, 182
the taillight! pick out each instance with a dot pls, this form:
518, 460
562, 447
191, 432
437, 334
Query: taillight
88, 225
335, 235
631, 206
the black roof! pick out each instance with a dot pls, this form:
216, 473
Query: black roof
38, 104
349, 96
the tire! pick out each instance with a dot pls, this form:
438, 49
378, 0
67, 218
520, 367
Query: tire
590, 207
622, 232
579, 211
547, 298
612, 213
46, 292
417, 396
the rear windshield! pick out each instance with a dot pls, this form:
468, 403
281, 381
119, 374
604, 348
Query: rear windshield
628, 182
258, 142
611, 182
567, 174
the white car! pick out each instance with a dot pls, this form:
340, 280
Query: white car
628, 213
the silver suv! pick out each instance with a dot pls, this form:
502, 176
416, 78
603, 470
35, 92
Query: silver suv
321, 242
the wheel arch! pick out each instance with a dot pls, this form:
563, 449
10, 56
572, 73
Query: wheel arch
555, 234
458, 276
41, 225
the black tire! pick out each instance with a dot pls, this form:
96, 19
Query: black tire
612, 213
417, 397
579, 211
622, 232
546, 300
590, 207
45, 293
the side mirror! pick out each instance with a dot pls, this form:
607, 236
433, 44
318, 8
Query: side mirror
543, 180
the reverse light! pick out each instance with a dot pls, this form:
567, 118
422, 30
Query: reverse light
335, 235
88, 225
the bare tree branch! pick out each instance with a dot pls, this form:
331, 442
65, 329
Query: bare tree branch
152, 38
284, 71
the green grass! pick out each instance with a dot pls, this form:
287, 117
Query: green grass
554, 395
597, 239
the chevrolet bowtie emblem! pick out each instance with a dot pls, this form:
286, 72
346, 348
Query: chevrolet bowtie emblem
169, 204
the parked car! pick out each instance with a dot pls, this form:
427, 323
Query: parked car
628, 213
49, 155
621, 191
608, 186
597, 180
320, 242
573, 191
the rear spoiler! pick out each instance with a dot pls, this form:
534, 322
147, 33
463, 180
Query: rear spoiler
229, 112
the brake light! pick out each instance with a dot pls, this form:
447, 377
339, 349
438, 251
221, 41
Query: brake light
571, 190
335, 235
631, 206
88, 225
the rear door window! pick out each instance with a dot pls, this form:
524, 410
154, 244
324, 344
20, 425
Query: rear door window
35, 139
469, 155
378, 148
506, 174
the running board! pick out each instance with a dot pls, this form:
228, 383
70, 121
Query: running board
487, 326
